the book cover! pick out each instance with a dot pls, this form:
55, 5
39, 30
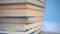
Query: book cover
22, 1
21, 27
20, 6
20, 20
33, 31
22, 12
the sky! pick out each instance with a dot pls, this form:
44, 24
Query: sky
52, 16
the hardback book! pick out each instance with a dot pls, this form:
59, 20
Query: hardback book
33, 31
22, 1
37, 32
20, 6
36, 3
43, 1
20, 20
20, 27
32, 7
13, 6
22, 12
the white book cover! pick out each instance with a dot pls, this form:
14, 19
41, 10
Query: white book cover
22, 12
21, 27
27, 32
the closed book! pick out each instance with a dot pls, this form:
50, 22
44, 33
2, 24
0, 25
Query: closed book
12, 1
36, 32
19, 7
13, 6
23, 12
21, 27
36, 3
22, 1
43, 1
19, 20
32, 7
18, 32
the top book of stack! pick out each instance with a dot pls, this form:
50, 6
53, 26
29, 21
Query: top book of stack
23, 1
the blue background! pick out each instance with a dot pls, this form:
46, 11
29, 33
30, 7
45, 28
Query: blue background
52, 16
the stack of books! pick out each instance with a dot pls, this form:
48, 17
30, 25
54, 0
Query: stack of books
21, 16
